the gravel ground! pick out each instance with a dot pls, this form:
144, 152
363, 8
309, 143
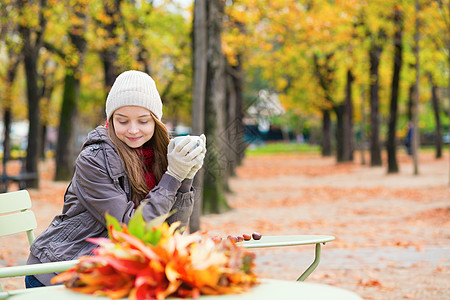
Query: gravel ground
392, 231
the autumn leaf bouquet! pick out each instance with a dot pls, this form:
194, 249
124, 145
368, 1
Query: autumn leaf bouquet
154, 260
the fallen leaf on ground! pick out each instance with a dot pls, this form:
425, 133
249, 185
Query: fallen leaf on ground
370, 283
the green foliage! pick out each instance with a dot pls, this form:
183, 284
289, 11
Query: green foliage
151, 38
111, 221
160, 44
147, 232
282, 148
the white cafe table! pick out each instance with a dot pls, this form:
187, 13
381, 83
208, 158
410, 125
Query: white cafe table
269, 289
264, 242
292, 240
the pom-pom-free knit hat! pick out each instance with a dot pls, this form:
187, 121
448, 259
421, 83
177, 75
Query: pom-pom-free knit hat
134, 88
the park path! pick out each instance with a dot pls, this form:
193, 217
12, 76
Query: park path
392, 231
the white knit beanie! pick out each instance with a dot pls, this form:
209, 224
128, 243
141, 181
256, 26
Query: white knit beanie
134, 88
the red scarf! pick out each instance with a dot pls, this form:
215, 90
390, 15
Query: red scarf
149, 157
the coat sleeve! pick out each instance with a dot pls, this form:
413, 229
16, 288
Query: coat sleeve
100, 193
181, 208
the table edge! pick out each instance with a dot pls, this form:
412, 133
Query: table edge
311, 239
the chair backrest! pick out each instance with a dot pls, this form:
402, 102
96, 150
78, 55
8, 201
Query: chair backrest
15, 214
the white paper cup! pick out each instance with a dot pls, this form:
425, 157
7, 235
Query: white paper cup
177, 139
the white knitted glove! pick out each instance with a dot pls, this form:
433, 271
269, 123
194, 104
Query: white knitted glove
182, 158
198, 160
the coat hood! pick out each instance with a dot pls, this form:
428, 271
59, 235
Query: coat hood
99, 139
98, 135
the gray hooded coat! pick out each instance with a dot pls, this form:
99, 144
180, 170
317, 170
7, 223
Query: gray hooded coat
100, 185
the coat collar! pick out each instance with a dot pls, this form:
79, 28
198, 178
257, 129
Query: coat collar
99, 136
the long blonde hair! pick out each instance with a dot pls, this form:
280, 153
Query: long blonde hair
133, 162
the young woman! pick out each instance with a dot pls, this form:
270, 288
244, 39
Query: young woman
128, 162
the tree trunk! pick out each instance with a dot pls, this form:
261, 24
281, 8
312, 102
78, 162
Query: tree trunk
392, 128
64, 147
230, 128
43, 141
326, 133
110, 54
109, 57
340, 144
363, 126
411, 94
7, 104
344, 130
7, 120
198, 184
234, 129
324, 74
65, 155
215, 169
47, 90
435, 103
32, 43
238, 134
348, 120
415, 108
199, 43
6, 145
34, 134
375, 151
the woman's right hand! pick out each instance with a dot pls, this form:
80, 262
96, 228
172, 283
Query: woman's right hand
198, 160
182, 157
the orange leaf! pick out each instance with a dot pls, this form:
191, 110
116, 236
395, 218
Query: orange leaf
137, 243
127, 265
207, 277
171, 272
64, 276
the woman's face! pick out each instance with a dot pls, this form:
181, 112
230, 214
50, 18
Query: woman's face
133, 125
